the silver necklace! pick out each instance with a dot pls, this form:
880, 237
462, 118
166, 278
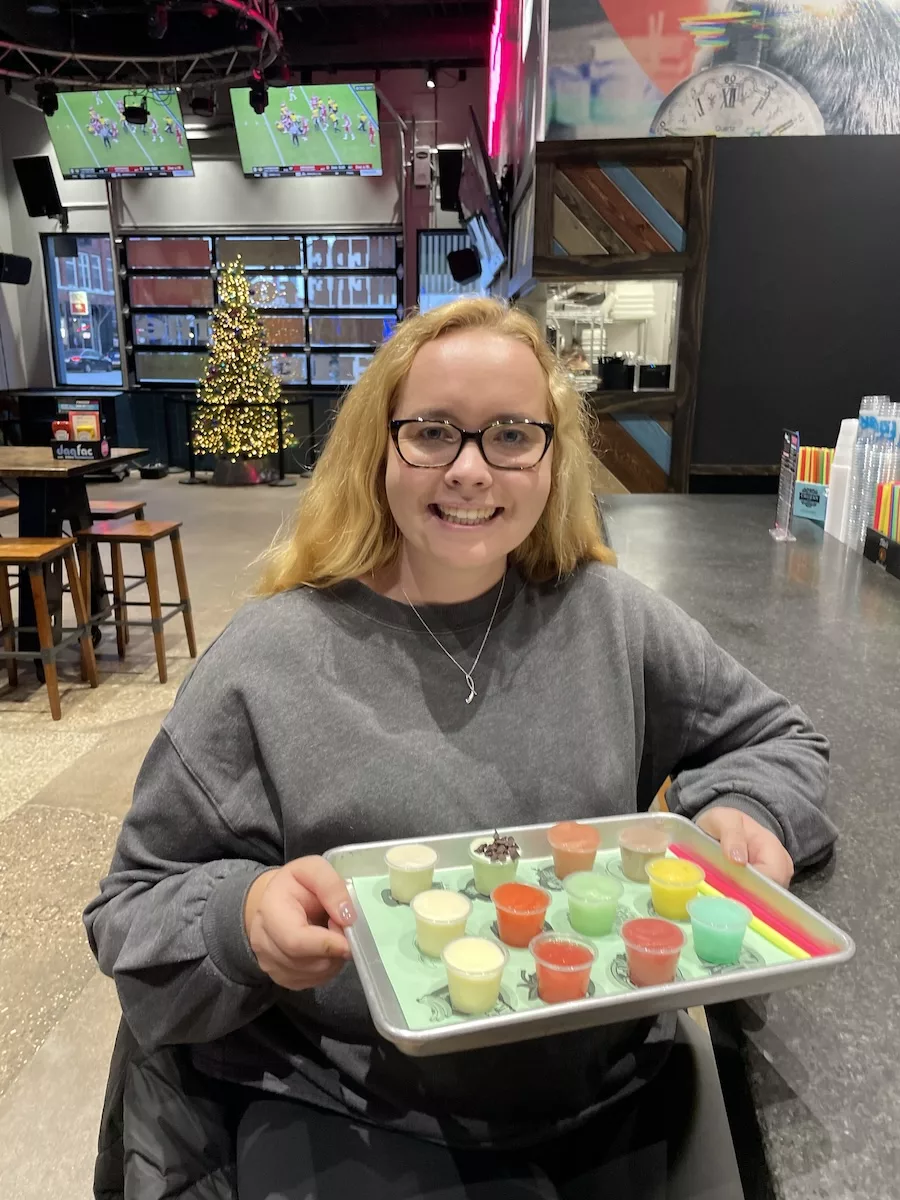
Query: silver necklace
468, 674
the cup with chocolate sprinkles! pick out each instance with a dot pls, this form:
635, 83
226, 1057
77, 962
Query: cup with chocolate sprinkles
494, 861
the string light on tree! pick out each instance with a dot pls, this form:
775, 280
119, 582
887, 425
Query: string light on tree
238, 373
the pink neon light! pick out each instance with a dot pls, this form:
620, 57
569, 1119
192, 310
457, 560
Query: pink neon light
500, 72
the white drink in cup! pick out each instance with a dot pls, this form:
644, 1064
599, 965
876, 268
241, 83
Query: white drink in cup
474, 973
411, 870
440, 918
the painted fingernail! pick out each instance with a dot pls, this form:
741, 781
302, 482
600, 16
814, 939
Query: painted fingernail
347, 913
738, 855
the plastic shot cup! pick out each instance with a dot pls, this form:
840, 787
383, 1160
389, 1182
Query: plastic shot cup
652, 948
639, 844
441, 917
593, 900
411, 870
673, 883
574, 847
521, 910
489, 875
474, 968
718, 926
563, 966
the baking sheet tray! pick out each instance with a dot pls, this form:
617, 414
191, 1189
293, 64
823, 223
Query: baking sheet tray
407, 993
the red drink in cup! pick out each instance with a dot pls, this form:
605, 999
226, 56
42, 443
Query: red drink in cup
563, 966
574, 847
652, 947
521, 910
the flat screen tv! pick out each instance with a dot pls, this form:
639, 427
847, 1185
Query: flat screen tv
323, 129
93, 140
479, 195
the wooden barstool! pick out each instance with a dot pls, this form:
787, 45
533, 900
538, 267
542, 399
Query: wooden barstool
145, 534
115, 510
34, 555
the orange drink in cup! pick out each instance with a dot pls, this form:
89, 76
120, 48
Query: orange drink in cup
574, 847
521, 910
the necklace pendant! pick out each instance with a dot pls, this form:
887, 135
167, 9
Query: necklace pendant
472, 693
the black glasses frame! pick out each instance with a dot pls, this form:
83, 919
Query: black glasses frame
474, 435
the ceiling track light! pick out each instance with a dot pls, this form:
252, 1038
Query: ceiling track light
135, 113
259, 93
47, 98
431, 77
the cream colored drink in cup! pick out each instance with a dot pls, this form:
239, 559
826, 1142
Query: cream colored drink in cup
411, 870
474, 973
440, 918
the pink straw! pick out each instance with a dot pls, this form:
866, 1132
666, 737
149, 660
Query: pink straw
727, 886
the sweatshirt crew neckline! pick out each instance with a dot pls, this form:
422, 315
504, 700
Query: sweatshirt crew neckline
447, 618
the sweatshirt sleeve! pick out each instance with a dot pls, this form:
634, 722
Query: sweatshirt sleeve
168, 922
727, 739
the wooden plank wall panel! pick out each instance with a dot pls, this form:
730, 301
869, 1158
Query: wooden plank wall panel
572, 198
571, 234
618, 212
668, 185
626, 460
693, 294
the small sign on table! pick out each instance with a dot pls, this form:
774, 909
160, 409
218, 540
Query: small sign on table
787, 479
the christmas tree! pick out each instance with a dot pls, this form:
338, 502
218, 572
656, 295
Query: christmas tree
238, 372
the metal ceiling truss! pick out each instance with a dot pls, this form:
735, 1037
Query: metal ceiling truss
227, 65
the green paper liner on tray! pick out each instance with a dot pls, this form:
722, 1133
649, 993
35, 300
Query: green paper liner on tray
420, 983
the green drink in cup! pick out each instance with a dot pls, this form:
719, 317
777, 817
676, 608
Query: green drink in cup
593, 900
494, 861
718, 925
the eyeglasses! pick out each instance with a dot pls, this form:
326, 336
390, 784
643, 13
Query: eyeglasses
508, 445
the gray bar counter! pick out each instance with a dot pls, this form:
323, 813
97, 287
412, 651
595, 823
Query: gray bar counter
821, 625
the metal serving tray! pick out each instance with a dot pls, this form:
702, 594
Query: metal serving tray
367, 860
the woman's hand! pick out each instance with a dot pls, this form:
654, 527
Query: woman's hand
295, 918
746, 841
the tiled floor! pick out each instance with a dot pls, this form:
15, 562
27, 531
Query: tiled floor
64, 787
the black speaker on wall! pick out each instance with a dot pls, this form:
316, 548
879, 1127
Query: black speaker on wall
38, 186
449, 175
14, 269
465, 265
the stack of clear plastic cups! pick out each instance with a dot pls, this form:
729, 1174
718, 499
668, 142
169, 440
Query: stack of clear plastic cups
876, 460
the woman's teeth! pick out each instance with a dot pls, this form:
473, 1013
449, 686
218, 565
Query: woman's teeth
466, 516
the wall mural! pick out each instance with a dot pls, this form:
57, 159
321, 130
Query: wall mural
635, 68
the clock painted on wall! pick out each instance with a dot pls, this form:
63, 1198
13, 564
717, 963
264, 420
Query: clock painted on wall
737, 100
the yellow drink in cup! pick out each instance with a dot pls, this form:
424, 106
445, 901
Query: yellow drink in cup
474, 973
411, 870
440, 918
673, 884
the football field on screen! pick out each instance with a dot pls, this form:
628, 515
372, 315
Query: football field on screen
290, 132
88, 130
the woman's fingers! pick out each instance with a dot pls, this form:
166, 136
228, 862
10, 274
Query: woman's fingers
328, 891
726, 825
297, 940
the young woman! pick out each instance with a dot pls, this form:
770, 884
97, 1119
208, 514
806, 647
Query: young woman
444, 644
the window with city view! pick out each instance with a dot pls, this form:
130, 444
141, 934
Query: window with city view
82, 298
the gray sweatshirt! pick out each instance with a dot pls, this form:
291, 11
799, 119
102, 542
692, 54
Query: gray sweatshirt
326, 717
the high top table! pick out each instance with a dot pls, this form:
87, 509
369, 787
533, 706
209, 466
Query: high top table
820, 624
52, 491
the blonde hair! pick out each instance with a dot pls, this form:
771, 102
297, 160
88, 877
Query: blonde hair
344, 527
